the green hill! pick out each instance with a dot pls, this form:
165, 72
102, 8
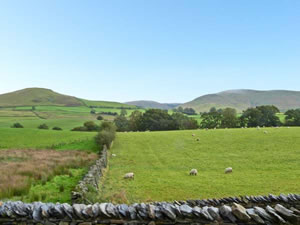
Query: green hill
243, 99
153, 104
47, 97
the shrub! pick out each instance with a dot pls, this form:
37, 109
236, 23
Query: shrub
79, 129
43, 126
104, 137
109, 126
17, 125
91, 126
100, 117
93, 111
56, 128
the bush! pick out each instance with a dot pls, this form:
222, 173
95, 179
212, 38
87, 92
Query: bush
91, 126
109, 126
56, 128
100, 117
105, 137
93, 111
17, 125
43, 126
79, 129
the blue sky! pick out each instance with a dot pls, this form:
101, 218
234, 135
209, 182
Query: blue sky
163, 50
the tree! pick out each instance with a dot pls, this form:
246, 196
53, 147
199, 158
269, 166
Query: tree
123, 112
135, 120
157, 119
189, 111
91, 126
93, 111
180, 109
213, 109
292, 117
100, 117
229, 118
122, 123
17, 125
33, 108
211, 119
43, 126
183, 122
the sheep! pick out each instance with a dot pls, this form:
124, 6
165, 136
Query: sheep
265, 132
258, 127
228, 170
129, 176
194, 172
197, 139
193, 135
114, 155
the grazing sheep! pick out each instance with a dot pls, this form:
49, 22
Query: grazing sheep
193, 135
129, 176
193, 172
228, 170
206, 128
114, 155
258, 127
265, 132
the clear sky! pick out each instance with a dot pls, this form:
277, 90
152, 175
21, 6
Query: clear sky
163, 50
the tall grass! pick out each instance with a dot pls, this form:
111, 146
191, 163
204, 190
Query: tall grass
17, 176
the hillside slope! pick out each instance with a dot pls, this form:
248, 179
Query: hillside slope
153, 104
243, 99
43, 97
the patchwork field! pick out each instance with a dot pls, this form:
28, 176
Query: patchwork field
262, 163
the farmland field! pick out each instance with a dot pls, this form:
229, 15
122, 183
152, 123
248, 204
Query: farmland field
262, 163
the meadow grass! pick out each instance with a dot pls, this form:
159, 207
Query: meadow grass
19, 169
12, 138
262, 163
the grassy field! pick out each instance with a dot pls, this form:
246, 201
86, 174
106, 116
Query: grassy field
30, 174
262, 163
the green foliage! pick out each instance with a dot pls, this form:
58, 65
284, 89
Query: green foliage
183, 122
161, 161
123, 112
93, 111
229, 118
292, 117
17, 125
106, 134
100, 117
43, 126
56, 128
87, 126
122, 123
212, 119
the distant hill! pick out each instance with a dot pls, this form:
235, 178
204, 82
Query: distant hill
153, 104
243, 99
42, 96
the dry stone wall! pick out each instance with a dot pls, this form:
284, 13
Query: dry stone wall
91, 179
283, 209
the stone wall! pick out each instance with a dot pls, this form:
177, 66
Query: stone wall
91, 179
283, 209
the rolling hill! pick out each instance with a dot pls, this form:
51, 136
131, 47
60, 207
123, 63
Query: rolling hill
153, 104
243, 99
47, 97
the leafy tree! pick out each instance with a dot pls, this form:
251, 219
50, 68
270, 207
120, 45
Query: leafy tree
213, 109
43, 126
104, 137
100, 117
109, 126
211, 119
122, 123
91, 126
180, 109
135, 120
33, 108
123, 112
56, 128
157, 119
93, 111
292, 117
189, 111
17, 125
183, 122
229, 118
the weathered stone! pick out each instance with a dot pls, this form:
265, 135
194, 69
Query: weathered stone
205, 213
255, 216
151, 211
272, 212
295, 211
68, 210
262, 213
214, 213
286, 213
167, 210
185, 210
283, 198
132, 212
88, 211
110, 209
240, 212
37, 211
102, 209
78, 210
226, 213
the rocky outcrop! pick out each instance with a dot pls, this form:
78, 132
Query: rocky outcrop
271, 210
91, 179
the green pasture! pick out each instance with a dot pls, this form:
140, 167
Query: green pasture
12, 138
262, 163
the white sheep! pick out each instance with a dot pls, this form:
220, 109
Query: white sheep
228, 170
113, 155
265, 132
129, 176
193, 135
194, 172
